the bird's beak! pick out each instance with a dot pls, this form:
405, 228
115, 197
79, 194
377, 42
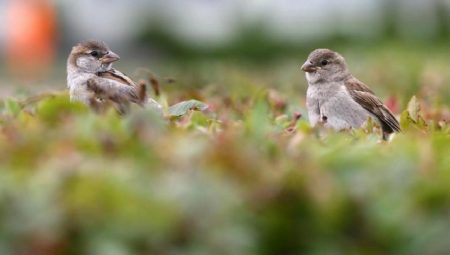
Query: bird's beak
109, 58
308, 67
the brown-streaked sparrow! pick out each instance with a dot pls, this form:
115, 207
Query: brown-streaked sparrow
92, 80
338, 100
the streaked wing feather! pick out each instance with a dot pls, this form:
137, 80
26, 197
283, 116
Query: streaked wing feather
116, 89
116, 75
355, 85
367, 99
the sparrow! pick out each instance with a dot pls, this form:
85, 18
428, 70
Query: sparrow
336, 99
92, 80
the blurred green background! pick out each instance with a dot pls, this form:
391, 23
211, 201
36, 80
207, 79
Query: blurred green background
168, 36
248, 175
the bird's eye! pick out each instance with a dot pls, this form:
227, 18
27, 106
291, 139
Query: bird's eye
324, 62
94, 53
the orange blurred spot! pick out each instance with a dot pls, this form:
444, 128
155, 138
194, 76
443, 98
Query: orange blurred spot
31, 26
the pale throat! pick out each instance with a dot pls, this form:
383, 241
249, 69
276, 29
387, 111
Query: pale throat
105, 67
315, 77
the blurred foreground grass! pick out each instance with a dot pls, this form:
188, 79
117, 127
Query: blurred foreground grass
246, 176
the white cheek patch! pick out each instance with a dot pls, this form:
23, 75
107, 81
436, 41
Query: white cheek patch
88, 64
82, 62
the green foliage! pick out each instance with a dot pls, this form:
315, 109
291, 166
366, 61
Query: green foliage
184, 107
11, 107
248, 175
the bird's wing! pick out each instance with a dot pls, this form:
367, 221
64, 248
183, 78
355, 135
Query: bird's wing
116, 75
367, 99
355, 85
112, 89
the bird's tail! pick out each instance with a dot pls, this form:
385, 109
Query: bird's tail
389, 124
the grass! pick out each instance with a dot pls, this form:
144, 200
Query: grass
246, 176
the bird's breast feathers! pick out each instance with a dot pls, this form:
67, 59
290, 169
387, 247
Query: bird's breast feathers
78, 79
336, 105
324, 90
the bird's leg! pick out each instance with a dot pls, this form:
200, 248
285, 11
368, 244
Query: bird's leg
323, 119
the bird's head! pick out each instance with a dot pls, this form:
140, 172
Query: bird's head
325, 65
92, 56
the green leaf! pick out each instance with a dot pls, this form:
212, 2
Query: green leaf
405, 120
52, 110
12, 106
184, 107
414, 109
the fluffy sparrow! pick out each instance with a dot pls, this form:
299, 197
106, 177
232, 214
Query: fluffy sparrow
92, 80
337, 99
